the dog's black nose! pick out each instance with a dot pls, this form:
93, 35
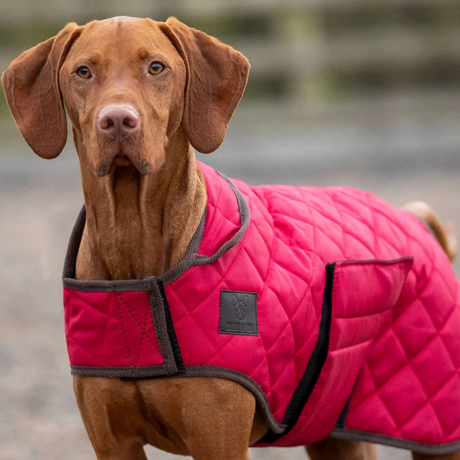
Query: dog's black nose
118, 121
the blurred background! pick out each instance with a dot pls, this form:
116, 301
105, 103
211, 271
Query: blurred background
364, 93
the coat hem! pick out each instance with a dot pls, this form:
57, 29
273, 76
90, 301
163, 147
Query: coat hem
242, 379
414, 446
128, 372
159, 371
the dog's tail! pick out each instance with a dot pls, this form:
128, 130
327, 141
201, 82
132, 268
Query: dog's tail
444, 233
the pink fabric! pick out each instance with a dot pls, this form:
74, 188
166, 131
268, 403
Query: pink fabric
106, 329
393, 341
358, 316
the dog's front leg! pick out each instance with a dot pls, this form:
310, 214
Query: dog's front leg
112, 416
214, 418
207, 418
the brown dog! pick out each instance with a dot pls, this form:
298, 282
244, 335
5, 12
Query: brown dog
140, 96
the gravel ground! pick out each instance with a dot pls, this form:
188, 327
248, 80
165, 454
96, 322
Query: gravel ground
39, 202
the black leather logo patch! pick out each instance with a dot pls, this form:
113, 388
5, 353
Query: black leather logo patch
238, 313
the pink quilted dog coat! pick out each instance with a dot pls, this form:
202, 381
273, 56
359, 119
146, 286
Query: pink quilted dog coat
338, 312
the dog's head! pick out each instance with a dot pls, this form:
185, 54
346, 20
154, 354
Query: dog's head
130, 87
240, 305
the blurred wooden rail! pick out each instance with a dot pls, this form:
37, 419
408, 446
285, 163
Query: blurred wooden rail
305, 54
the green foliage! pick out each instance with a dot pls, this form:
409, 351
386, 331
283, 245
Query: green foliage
24, 35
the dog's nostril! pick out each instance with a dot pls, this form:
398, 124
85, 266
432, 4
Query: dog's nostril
130, 122
106, 123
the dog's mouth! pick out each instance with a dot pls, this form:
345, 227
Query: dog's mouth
123, 160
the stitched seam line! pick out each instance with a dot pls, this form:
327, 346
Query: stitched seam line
142, 339
86, 351
124, 333
139, 326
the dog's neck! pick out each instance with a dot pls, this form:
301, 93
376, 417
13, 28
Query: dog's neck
139, 225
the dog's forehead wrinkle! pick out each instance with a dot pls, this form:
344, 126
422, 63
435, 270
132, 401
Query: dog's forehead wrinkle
113, 26
111, 36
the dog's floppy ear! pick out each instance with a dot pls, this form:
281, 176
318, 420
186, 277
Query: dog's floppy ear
216, 77
32, 92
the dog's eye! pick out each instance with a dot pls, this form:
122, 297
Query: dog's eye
156, 68
83, 72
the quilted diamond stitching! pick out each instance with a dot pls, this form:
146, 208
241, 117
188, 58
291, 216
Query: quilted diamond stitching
370, 231
299, 370
142, 329
374, 212
123, 329
426, 403
98, 358
430, 398
191, 312
395, 373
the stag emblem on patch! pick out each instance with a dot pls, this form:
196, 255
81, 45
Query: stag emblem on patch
240, 305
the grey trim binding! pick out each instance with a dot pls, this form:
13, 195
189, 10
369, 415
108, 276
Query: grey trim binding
159, 323
193, 371
157, 308
123, 285
120, 372
74, 245
243, 380
190, 259
245, 218
68, 275
421, 448
150, 285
